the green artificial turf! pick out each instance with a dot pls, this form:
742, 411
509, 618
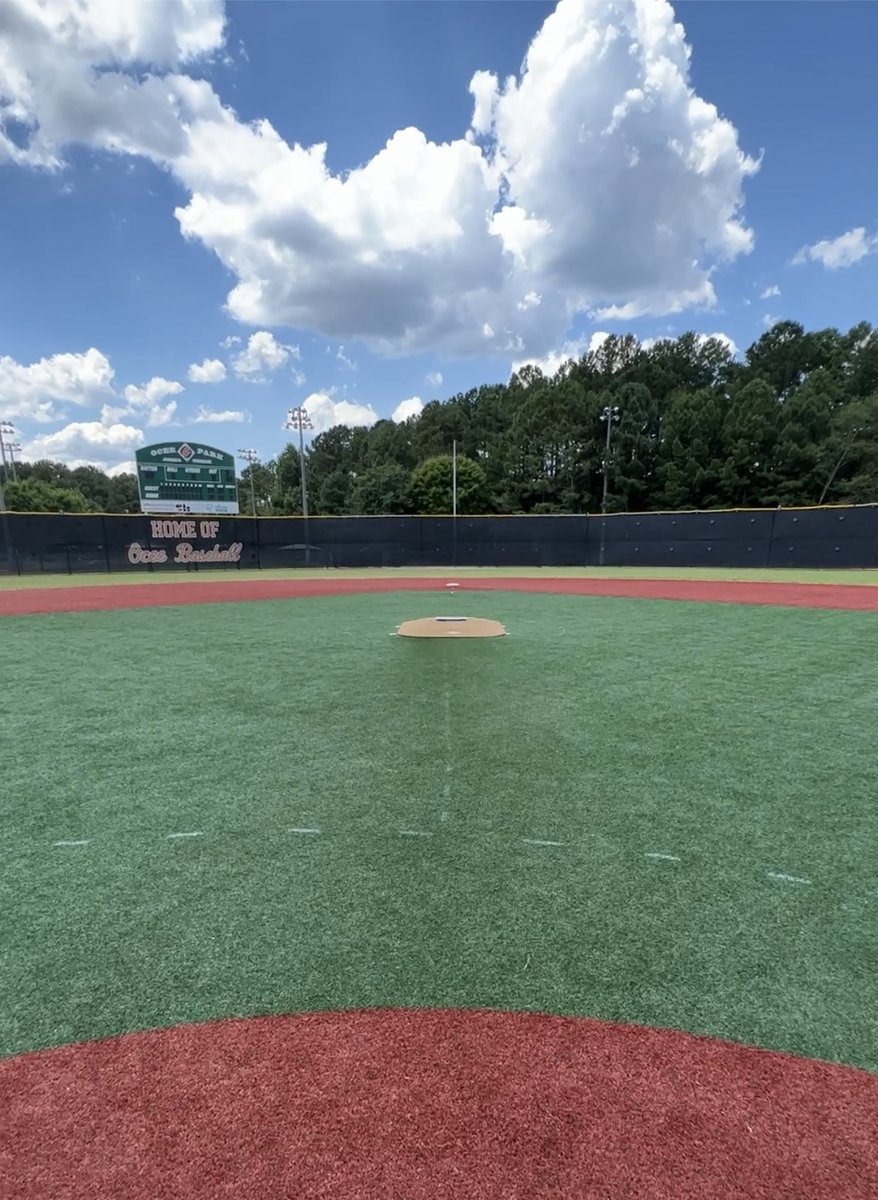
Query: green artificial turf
742, 741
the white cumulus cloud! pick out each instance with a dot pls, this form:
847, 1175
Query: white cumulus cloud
33, 390
767, 293
843, 251
262, 353
722, 338
595, 180
52, 88
407, 408
147, 400
550, 363
211, 370
221, 417
434, 379
700, 338
325, 412
83, 442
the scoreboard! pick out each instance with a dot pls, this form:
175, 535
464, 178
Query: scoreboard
186, 478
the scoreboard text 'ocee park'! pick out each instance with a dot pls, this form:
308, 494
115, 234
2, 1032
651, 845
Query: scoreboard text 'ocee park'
186, 478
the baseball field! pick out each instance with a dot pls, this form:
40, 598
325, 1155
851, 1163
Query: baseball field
295, 907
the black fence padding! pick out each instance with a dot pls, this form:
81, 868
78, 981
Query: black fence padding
674, 527
818, 553
44, 542
697, 553
832, 525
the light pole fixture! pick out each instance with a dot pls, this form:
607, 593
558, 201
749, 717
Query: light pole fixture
14, 448
251, 457
7, 430
612, 416
297, 418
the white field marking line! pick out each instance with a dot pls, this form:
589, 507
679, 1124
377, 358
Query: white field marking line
298, 830
786, 878
665, 857
540, 842
197, 833
449, 766
414, 833
83, 842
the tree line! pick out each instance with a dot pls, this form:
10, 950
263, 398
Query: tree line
793, 422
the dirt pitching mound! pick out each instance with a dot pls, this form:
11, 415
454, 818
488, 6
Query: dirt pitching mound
451, 627
432, 1105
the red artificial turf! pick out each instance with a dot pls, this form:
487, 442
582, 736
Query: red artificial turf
25, 601
432, 1105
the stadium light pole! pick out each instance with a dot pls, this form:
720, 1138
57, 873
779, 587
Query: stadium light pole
7, 430
454, 478
297, 418
251, 457
612, 416
454, 502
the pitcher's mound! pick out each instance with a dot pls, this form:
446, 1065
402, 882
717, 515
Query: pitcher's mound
451, 627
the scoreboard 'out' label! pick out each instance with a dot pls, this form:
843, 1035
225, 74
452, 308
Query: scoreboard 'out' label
186, 478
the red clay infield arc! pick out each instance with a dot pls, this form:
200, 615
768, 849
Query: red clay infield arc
25, 601
433, 1105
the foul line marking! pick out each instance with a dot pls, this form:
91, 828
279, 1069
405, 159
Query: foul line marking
780, 876
449, 762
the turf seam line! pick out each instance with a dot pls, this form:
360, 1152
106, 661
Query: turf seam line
414, 833
664, 857
197, 833
786, 878
297, 829
83, 842
540, 842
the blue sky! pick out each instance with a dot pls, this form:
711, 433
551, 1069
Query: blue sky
148, 221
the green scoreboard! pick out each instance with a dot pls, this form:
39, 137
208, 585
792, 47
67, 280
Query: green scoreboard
186, 478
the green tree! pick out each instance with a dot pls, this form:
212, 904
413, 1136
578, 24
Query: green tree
94, 485
122, 496
431, 486
850, 454
259, 479
332, 494
690, 461
286, 496
35, 495
381, 490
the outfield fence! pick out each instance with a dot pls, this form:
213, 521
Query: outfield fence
31, 543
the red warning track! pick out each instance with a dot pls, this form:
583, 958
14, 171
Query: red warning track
432, 1106
27, 601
